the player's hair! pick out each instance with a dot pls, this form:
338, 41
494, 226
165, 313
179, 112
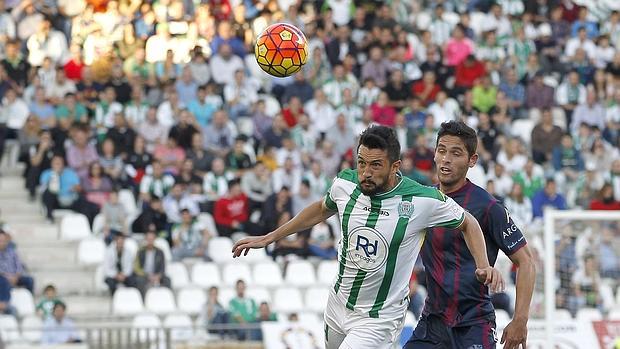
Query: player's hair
461, 130
381, 137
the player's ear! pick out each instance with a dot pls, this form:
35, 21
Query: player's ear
396, 166
473, 160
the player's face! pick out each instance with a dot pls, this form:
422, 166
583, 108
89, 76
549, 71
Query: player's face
452, 160
374, 170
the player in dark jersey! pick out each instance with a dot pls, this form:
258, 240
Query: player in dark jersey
458, 313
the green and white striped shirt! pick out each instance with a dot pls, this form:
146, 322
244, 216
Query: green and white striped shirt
381, 239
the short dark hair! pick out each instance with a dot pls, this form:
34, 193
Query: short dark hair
60, 304
381, 137
49, 288
462, 131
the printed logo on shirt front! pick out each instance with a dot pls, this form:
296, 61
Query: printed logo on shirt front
367, 248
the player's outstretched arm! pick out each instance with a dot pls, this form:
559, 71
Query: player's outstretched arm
474, 239
307, 218
515, 333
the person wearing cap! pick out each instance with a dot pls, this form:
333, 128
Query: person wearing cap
118, 263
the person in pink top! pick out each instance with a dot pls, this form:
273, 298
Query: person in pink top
382, 112
170, 155
458, 47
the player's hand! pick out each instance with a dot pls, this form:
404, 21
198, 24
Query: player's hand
491, 277
244, 246
515, 335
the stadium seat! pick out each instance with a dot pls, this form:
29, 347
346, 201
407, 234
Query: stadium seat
9, 330
316, 299
127, 199
32, 329
74, 226
181, 327
160, 300
255, 256
522, 128
206, 275
234, 271
327, 272
614, 314
259, 295
99, 282
98, 224
607, 295
562, 315
179, 277
618, 297
91, 251
132, 245
300, 273
220, 249
206, 219
272, 106
287, 300
22, 300
127, 301
225, 295
307, 317
502, 319
191, 300
589, 314
148, 327
267, 274
163, 245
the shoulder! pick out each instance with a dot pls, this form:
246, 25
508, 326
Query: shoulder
410, 187
349, 175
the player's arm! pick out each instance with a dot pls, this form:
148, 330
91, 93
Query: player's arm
307, 218
474, 238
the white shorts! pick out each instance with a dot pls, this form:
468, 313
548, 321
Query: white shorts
348, 329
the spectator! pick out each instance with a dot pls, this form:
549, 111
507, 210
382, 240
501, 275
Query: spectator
382, 112
466, 73
334, 88
340, 46
71, 109
57, 89
137, 107
530, 178
213, 313
13, 114
58, 328
515, 92
152, 131
321, 113
190, 238
46, 42
218, 135
484, 95
81, 154
321, 242
376, 68
45, 307
569, 94
512, 157
42, 109
200, 158
545, 137
605, 199
609, 257
202, 110
122, 135
149, 268
96, 186
547, 197
215, 182
239, 95
136, 162
292, 112
458, 47
157, 183
590, 113
586, 283
114, 214
152, 216
567, 162
444, 109
519, 206
243, 310
184, 129
256, 185
226, 64
295, 244
231, 212
5, 298
176, 201
299, 88
169, 109
40, 158
16, 66
225, 36
118, 263
11, 267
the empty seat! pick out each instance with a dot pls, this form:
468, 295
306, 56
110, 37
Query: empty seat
181, 327
148, 327
562, 315
501, 318
91, 251
607, 296
225, 295
207, 221
98, 224
160, 300
236, 271
32, 329
132, 246
163, 245
74, 226
256, 255
100, 284
259, 294
309, 317
206, 275
220, 249
126, 198
316, 299
191, 300
327, 272
267, 274
522, 128
9, 330
127, 301
287, 300
179, 277
300, 273
614, 314
22, 300
589, 314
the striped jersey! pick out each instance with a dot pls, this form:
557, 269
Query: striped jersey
381, 239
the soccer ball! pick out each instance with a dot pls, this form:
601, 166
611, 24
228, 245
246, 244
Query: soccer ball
281, 50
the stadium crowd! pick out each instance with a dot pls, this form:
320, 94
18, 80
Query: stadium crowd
164, 98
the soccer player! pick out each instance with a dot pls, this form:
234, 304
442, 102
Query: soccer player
383, 217
458, 313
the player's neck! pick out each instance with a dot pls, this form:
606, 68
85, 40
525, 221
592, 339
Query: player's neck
451, 188
393, 182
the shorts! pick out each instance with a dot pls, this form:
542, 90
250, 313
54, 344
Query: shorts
348, 329
432, 333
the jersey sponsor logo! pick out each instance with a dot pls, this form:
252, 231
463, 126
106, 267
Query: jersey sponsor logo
509, 231
368, 249
405, 209
381, 212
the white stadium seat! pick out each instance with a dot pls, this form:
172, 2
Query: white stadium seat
206, 275
179, 277
562, 315
98, 224
9, 330
225, 295
163, 245
267, 274
522, 128
236, 271
132, 246
327, 272
181, 327
100, 284
148, 327
220, 249
258, 294
32, 329
306, 317
206, 219
160, 300
255, 256
127, 301
287, 300
614, 314
316, 299
589, 314
74, 226
22, 300
191, 300
300, 273
126, 198
91, 251
501, 318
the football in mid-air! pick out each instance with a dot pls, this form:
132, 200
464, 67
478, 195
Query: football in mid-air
281, 50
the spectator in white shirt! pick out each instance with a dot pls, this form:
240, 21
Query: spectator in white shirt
350, 109
46, 42
321, 113
240, 95
501, 179
178, 200
14, 112
341, 135
7, 27
118, 263
158, 44
152, 131
289, 151
581, 41
511, 156
287, 176
225, 64
57, 90
444, 109
570, 93
334, 88
590, 113
604, 53
107, 108
169, 109
440, 28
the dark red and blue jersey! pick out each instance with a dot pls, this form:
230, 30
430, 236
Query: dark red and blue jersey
454, 293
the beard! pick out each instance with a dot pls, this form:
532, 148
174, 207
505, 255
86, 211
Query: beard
369, 187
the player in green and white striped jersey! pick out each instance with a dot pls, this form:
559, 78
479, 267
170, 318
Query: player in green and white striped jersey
383, 217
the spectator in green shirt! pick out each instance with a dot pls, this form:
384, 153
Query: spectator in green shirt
243, 310
72, 109
46, 305
264, 314
484, 95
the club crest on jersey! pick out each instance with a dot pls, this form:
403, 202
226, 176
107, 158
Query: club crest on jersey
405, 209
